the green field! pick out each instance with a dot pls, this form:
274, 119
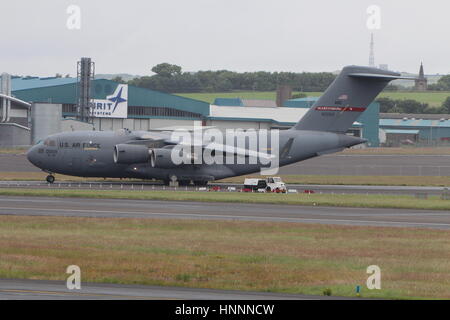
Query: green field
209, 97
434, 99
234, 255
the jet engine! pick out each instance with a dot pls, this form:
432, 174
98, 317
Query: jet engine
161, 158
130, 153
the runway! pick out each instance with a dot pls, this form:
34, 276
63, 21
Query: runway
57, 290
372, 165
120, 208
334, 164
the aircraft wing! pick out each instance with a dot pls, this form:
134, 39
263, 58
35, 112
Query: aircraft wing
164, 133
165, 137
231, 150
151, 136
185, 128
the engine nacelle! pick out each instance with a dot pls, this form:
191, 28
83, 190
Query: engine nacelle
161, 158
131, 153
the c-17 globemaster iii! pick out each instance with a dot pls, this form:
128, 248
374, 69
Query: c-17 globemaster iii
185, 157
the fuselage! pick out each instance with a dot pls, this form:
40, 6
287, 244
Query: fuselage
91, 154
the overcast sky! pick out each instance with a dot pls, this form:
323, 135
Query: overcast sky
242, 35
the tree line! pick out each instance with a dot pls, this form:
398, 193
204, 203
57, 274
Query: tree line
443, 84
171, 79
388, 105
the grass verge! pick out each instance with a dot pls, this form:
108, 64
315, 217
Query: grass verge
235, 255
436, 181
329, 200
399, 151
19, 150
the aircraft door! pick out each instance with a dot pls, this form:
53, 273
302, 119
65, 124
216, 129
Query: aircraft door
71, 162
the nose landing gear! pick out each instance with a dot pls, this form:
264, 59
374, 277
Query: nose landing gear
50, 178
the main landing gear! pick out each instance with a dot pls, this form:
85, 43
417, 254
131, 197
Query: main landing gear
174, 182
50, 178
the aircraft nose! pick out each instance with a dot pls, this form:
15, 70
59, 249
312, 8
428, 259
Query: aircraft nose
32, 155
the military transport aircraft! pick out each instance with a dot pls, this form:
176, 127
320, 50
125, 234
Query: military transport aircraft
150, 154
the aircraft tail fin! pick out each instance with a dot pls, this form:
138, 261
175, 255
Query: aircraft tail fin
346, 98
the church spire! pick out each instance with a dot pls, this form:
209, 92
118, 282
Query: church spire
421, 81
421, 73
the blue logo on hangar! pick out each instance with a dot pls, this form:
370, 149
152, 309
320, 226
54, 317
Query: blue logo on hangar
117, 99
114, 106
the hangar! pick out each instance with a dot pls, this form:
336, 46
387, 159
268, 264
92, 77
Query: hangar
143, 105
397, 129
56, 98
14, 116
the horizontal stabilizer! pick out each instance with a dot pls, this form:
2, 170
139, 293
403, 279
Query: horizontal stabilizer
379, 76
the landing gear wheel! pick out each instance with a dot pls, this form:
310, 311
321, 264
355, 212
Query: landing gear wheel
50, 179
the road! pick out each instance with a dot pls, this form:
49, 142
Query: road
115, 208
56, 290
334, 164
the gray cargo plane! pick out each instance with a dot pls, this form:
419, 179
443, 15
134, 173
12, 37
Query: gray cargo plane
148, 154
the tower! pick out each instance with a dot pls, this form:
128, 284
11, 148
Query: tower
372, 53
421, 83
85, 74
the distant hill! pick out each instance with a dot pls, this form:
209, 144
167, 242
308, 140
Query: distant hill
109, 76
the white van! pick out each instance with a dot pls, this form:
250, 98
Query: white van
271, 184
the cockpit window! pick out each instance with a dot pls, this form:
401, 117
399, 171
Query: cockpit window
49, 143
